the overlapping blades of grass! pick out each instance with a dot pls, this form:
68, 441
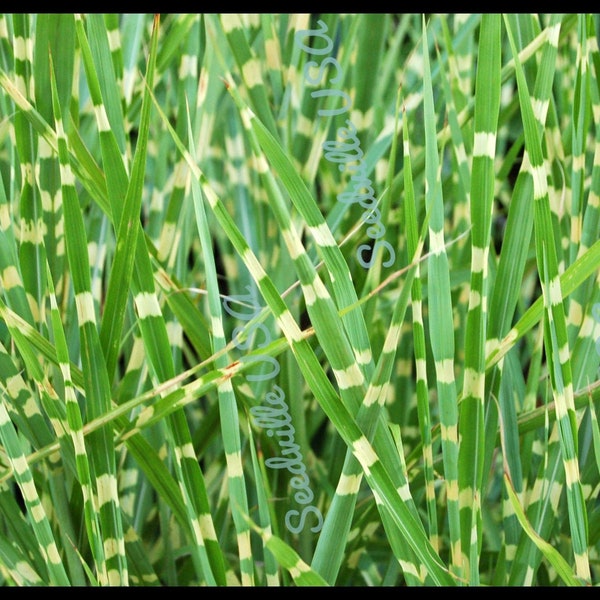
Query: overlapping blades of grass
172, 441
324, 392
367, 404
555, 333
111, 564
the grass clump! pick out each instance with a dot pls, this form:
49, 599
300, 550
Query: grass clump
299, 299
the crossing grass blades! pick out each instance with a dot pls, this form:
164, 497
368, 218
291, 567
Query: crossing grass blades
299, 299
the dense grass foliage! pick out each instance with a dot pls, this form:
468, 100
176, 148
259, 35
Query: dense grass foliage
299, 299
